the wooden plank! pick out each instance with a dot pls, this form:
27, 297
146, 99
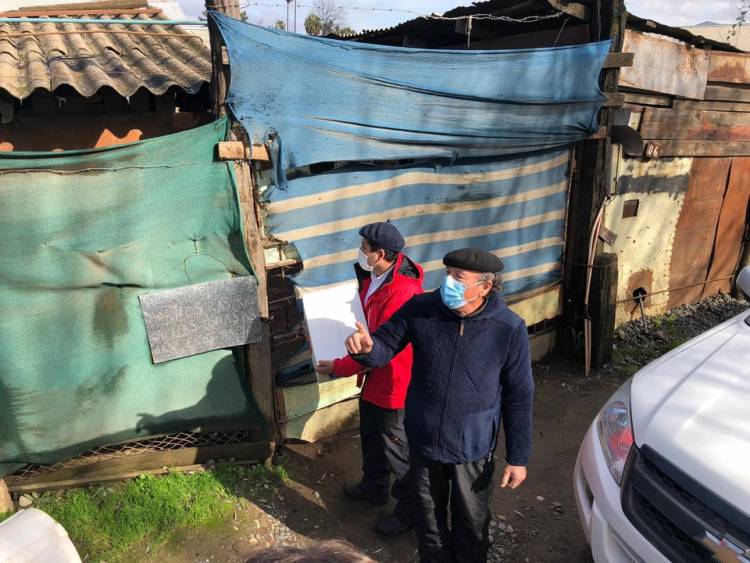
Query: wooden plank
618, 60
669, 148
109, 469
305, 399
648, 99
664, 66
603, 308
230, 150
257, 356
260, 153
571, 8
711, 105
71, 483
729, 233
322, 423
696, 229
727, 93
695, 125
614, 99
732, 68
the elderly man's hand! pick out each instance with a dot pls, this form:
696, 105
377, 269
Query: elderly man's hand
513, 476
360, 341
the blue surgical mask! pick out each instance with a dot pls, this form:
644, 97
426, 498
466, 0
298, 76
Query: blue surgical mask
452, 292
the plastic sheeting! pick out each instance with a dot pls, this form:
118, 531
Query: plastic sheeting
513, 206
85, 233
326, 100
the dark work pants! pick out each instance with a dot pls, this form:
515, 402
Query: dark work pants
468, 488
385, 451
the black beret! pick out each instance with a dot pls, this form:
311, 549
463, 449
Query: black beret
473, 259
384, 235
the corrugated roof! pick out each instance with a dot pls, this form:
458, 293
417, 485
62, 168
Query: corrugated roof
88, 57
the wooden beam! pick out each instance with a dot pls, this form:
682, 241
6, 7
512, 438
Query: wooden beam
258, 356
648, 99
231, 150
695, 125
614, 99
712, 105
726, 93
733, 68
571, 8
702, 148
618, 60
113, 469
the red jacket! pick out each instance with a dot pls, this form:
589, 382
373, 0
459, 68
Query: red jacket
386, 386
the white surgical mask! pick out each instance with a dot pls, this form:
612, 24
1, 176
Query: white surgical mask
363, 261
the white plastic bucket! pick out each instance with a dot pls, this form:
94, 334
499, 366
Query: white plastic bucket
33, 536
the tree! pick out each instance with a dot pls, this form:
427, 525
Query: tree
743, 10
313, 25
243, 16
326, 17
279, 24
344, 31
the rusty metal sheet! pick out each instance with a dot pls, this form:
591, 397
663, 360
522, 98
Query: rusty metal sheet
695, 125
732, 221
201, 317
665, 66
731, 68
696, 229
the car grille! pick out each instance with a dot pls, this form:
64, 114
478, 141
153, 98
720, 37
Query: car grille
675, 513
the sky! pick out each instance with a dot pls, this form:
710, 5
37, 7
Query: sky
376, 14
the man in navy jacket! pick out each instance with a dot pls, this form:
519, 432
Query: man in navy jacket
471, 367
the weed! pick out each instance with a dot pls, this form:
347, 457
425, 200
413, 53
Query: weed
105, 522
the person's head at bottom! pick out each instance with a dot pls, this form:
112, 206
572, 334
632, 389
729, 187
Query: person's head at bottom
329, 551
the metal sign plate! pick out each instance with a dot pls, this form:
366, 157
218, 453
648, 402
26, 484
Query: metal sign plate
201, 317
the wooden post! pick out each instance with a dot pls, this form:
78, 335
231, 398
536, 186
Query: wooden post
257, 356
603, 308
590, 189
6, 504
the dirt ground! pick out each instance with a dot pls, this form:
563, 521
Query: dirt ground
540, 518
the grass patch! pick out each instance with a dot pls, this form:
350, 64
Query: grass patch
105, 521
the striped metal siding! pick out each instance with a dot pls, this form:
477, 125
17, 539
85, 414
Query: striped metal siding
514, 207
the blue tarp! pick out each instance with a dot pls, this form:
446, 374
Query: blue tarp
512, 206
325, 100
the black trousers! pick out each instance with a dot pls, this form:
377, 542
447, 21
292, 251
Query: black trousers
385, 451
468, 488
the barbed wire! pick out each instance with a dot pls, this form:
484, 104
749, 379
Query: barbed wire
490, 17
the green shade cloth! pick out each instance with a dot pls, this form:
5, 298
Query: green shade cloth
85, 233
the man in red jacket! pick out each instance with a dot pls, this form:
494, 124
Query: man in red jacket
392, 280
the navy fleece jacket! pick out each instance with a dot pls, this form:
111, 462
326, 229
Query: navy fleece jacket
468, 373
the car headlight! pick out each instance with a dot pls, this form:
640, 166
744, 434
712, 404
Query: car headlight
616, 431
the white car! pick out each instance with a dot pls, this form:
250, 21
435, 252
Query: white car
663, 474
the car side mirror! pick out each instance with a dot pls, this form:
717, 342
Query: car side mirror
743, 281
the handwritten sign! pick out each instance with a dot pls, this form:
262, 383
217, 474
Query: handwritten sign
201, 317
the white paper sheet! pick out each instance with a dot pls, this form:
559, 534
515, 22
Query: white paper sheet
330, 314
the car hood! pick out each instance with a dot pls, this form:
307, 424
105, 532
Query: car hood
693, 407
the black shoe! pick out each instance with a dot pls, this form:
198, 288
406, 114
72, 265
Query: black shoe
390, 525
356, 491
